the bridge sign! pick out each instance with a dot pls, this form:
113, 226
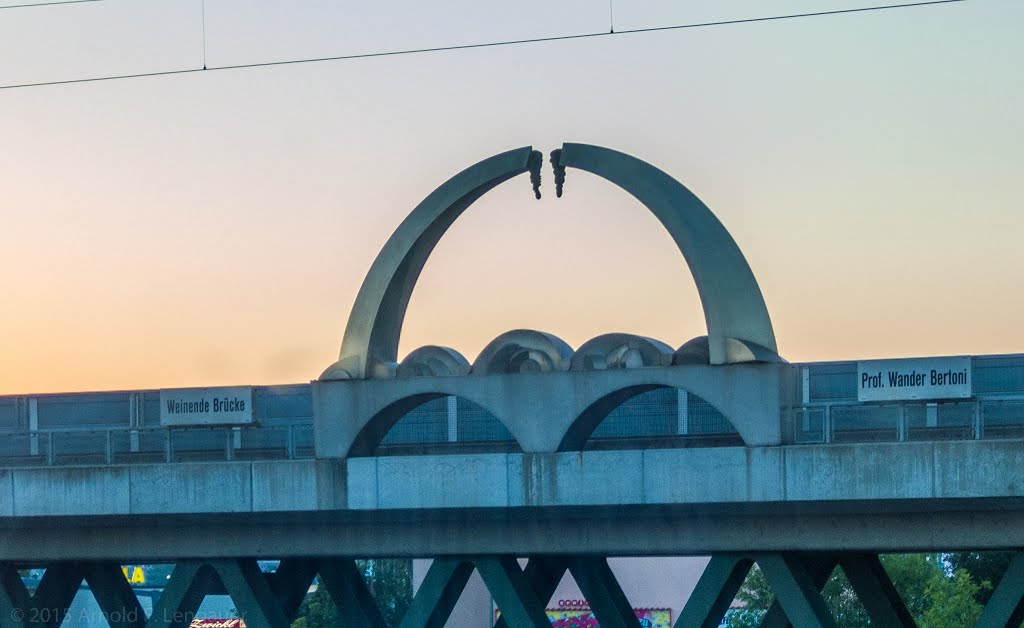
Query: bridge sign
206, 406
914, 378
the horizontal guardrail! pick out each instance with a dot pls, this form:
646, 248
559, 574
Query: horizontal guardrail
908, 421
91, 446
839, 422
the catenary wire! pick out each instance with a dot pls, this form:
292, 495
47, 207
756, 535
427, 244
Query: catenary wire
513, 42
27, 5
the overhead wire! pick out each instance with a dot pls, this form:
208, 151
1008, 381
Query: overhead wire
47, 3
456, 47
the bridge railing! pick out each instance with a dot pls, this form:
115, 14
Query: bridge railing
811, 424
908, 421
69, 446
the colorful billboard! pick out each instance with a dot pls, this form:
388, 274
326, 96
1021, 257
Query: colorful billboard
581, 617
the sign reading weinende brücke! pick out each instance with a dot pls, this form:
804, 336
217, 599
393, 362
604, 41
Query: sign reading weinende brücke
914, 378
229, 405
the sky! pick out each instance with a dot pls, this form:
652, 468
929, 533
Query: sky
212, 228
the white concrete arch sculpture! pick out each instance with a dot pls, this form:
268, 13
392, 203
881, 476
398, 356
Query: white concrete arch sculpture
734, 309
739, 329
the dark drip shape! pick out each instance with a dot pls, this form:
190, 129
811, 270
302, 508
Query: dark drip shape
556, 165
535, 163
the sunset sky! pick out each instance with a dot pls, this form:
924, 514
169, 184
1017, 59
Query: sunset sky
213, 228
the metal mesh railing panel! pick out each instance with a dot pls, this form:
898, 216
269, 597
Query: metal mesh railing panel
653, 413
75, 448
944, 421
426, 424
809, 425
199, 444
704, 419
476, 425
261, 443
1002, 419
865, 423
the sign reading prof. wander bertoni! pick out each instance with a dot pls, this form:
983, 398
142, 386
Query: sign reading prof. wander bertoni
206, 406
914, 378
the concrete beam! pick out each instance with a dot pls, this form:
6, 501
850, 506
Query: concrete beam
976, 473
650, 531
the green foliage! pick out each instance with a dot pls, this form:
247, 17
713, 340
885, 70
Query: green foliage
317, 611
953, 601
983, 567
743, 618
910, 574
843, 602
937, 597
756, 593
390, 583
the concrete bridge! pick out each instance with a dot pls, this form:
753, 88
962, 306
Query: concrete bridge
622, 447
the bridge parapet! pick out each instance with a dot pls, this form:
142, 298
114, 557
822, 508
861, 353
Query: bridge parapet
892, 497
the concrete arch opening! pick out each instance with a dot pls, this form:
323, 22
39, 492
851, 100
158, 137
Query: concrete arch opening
650, 416
433, 423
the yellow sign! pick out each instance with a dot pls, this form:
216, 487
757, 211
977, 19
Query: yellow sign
136, 577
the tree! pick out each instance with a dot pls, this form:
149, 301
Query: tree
983, 567
317, 611
933, 594
757, 597
910, 574
390, 583
952, 601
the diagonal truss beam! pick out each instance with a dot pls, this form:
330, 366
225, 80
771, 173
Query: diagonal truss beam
875, 590
347, 587
114, 595
794, 589
512, 592
438, 593
15, 600
61, 582
290, 583
188, 585
602, 591
820, 567
58, 587
543, 573
715, 591
257, 605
